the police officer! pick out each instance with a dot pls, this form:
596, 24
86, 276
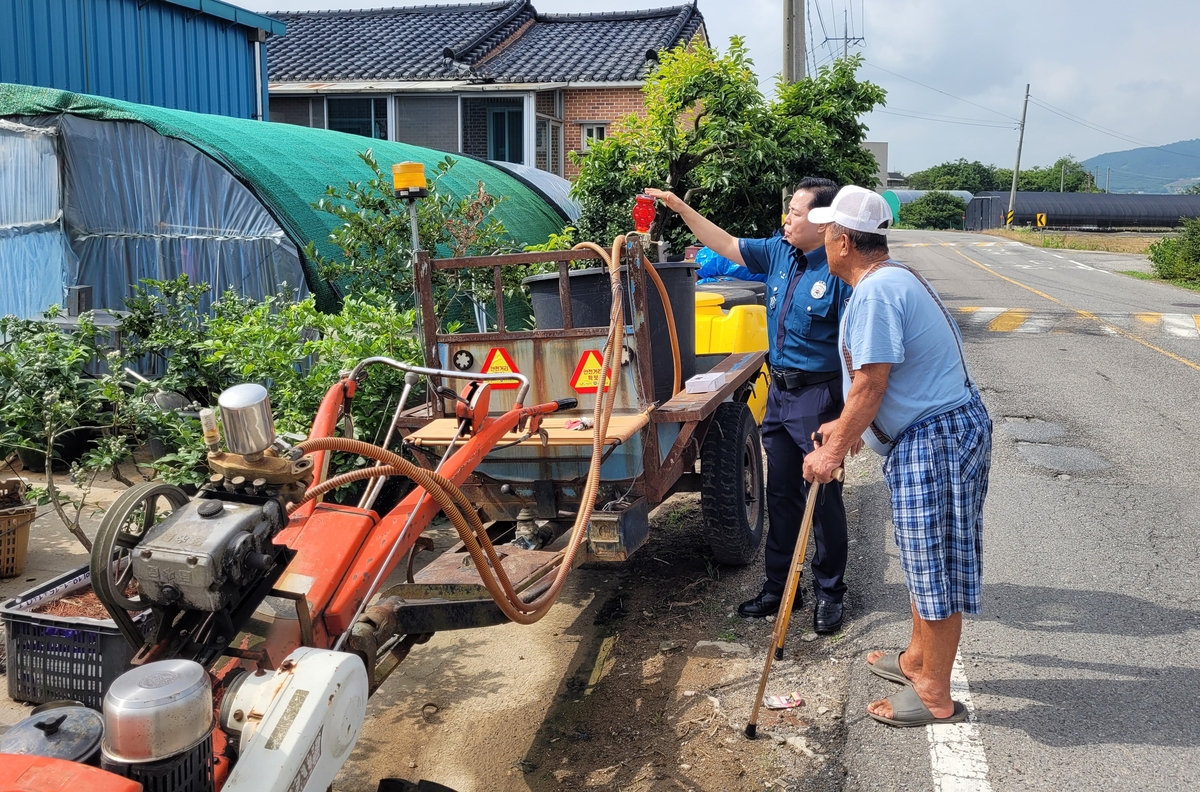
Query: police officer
804, 307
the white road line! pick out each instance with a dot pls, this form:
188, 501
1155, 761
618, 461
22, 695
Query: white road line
1182, 325
1057, 256
956, 749
981, 316
1086, 267
1038, 324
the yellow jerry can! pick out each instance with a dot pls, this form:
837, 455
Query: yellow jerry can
743, 328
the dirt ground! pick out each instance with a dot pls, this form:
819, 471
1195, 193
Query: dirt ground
640, 679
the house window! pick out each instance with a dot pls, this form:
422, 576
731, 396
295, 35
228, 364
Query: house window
429, 121
549, 146
592, 133
506, 134
359, 116
308, 111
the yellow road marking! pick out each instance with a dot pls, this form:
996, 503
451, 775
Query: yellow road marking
1087, 314
1196, 319
1008, 321
1148, 318
974, 308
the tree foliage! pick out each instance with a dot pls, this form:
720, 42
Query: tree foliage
711, 137
935, 210
375, 240
1178, 258
975, 177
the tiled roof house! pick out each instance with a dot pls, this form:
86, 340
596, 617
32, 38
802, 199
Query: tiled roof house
492, 80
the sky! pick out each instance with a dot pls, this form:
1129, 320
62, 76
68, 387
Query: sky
1127, 68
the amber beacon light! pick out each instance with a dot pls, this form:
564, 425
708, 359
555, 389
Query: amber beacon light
408, 180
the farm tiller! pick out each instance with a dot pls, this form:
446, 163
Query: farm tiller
258, 609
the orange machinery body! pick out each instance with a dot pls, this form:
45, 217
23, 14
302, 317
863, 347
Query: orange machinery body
25, 773
340, 550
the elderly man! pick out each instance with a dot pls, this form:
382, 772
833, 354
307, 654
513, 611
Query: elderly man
804, 305
908, 388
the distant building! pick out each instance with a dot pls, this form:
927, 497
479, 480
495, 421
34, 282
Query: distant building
498, 81
896, 179
880, 152
202, 55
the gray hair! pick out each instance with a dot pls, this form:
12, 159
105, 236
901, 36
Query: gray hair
865, 243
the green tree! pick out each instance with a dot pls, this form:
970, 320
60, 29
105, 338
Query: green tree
1178, 258
1067, 173
1191, 189
935, 210
974, 177
711, 137
376, 248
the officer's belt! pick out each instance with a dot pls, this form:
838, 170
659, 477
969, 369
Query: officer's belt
790, 379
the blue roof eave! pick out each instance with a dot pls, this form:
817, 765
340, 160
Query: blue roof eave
241, 16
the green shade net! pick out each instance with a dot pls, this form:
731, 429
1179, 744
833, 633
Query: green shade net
289, 167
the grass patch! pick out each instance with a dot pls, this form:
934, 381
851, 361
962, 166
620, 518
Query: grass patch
1111, 243
1146, 276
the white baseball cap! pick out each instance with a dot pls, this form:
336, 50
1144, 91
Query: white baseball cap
856, 208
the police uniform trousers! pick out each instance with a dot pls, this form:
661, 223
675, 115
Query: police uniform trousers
792, 417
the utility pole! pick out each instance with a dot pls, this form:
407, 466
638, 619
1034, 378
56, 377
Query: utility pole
1012, 196
846, 38
794, 53
1062, 180
1107, 179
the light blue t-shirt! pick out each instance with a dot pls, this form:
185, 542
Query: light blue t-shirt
892, 318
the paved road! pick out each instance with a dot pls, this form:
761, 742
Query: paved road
1084, 669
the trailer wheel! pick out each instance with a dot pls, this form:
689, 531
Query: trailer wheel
732, 493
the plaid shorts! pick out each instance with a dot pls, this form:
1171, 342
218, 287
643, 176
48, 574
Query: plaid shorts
938, 477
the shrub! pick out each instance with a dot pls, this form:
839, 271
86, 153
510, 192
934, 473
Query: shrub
1178, 258
935, 210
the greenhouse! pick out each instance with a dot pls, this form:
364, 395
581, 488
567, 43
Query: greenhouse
104, 193
1082, 210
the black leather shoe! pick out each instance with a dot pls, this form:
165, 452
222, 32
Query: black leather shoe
827, 617
766, 604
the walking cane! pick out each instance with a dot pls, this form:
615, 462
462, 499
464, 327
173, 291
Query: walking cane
789, 596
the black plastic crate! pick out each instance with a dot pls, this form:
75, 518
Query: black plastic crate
57, 657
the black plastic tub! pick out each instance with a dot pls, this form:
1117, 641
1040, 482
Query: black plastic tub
56, 657
591, 302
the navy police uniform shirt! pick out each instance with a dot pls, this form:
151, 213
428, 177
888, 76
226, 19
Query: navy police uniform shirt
804, 303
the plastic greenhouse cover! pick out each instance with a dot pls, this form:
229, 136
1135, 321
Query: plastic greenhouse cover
33, 250
140, 205
29, 158
31, 266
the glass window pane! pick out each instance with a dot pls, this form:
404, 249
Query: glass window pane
381, 119
351, 115
516, 136
499, 132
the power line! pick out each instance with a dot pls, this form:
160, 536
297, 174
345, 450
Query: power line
944, 93
975, 122
1105, 131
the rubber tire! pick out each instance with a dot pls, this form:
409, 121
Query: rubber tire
732, 491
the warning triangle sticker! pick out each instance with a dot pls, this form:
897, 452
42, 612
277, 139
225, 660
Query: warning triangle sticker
498, 361
586, 378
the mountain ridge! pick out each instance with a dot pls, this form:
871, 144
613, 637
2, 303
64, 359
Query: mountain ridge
1149, 169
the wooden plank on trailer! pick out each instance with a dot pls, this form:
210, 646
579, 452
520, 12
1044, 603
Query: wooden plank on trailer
738, 368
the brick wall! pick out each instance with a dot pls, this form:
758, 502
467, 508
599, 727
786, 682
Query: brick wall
475, 122
596, 104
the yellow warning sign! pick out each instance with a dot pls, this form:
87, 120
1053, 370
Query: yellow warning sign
586, 378
1041, 219
498, 361
1009, 216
